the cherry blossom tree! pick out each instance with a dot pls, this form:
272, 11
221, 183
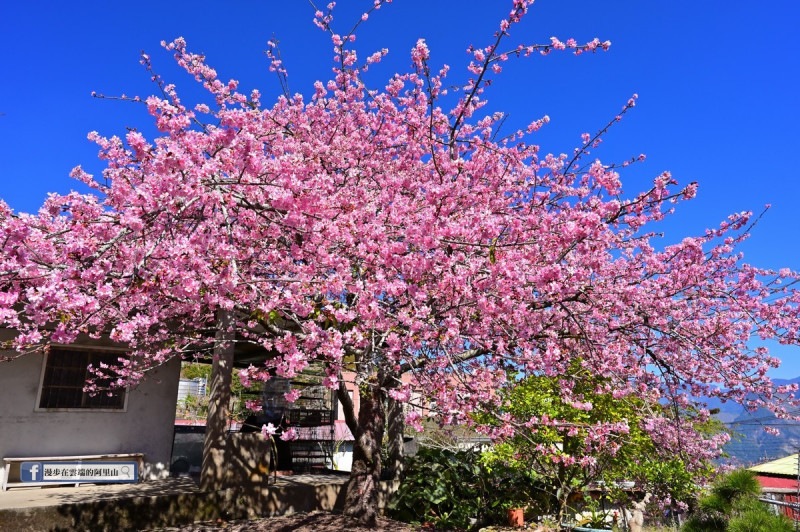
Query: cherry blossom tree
374, 231
567, 458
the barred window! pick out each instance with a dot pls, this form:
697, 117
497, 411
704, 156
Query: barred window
66, 374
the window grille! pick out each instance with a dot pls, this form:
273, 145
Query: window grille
66, 374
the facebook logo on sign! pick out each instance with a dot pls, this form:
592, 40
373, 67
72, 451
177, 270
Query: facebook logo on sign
31, 472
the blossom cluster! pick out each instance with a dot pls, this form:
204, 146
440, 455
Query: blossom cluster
373, 231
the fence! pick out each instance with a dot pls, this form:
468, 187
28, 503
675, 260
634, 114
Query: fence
784, 500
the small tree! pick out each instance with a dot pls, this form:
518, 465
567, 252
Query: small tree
560, 447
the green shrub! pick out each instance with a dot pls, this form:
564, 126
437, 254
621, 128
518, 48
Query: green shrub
442, 487
737, 484
703, 522
751, 515
450, 489
714, 503
733, 506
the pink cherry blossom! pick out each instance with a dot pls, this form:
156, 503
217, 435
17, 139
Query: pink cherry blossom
387, 231
289, 434
292, 395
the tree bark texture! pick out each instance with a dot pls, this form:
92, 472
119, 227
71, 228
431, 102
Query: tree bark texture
213, 472
396, 421
363, 487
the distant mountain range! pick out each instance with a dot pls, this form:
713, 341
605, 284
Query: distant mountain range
751, 444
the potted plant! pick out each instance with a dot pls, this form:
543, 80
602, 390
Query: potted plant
511, 493
593, 519
515, 510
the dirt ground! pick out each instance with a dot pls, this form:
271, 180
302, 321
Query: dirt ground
311, 522
324, 522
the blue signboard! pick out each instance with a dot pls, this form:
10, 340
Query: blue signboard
68, 472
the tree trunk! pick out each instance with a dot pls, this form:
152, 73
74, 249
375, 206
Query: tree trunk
212, 474
396, 423
565, 491
562, 505
363, 487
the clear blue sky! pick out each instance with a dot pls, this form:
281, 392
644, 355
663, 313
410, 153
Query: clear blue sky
717, 80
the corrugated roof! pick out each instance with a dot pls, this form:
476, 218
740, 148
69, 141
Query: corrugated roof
786, 466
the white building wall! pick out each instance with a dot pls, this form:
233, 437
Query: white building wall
342, 459
145, 426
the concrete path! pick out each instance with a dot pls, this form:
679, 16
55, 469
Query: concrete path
47, 496
54, 496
